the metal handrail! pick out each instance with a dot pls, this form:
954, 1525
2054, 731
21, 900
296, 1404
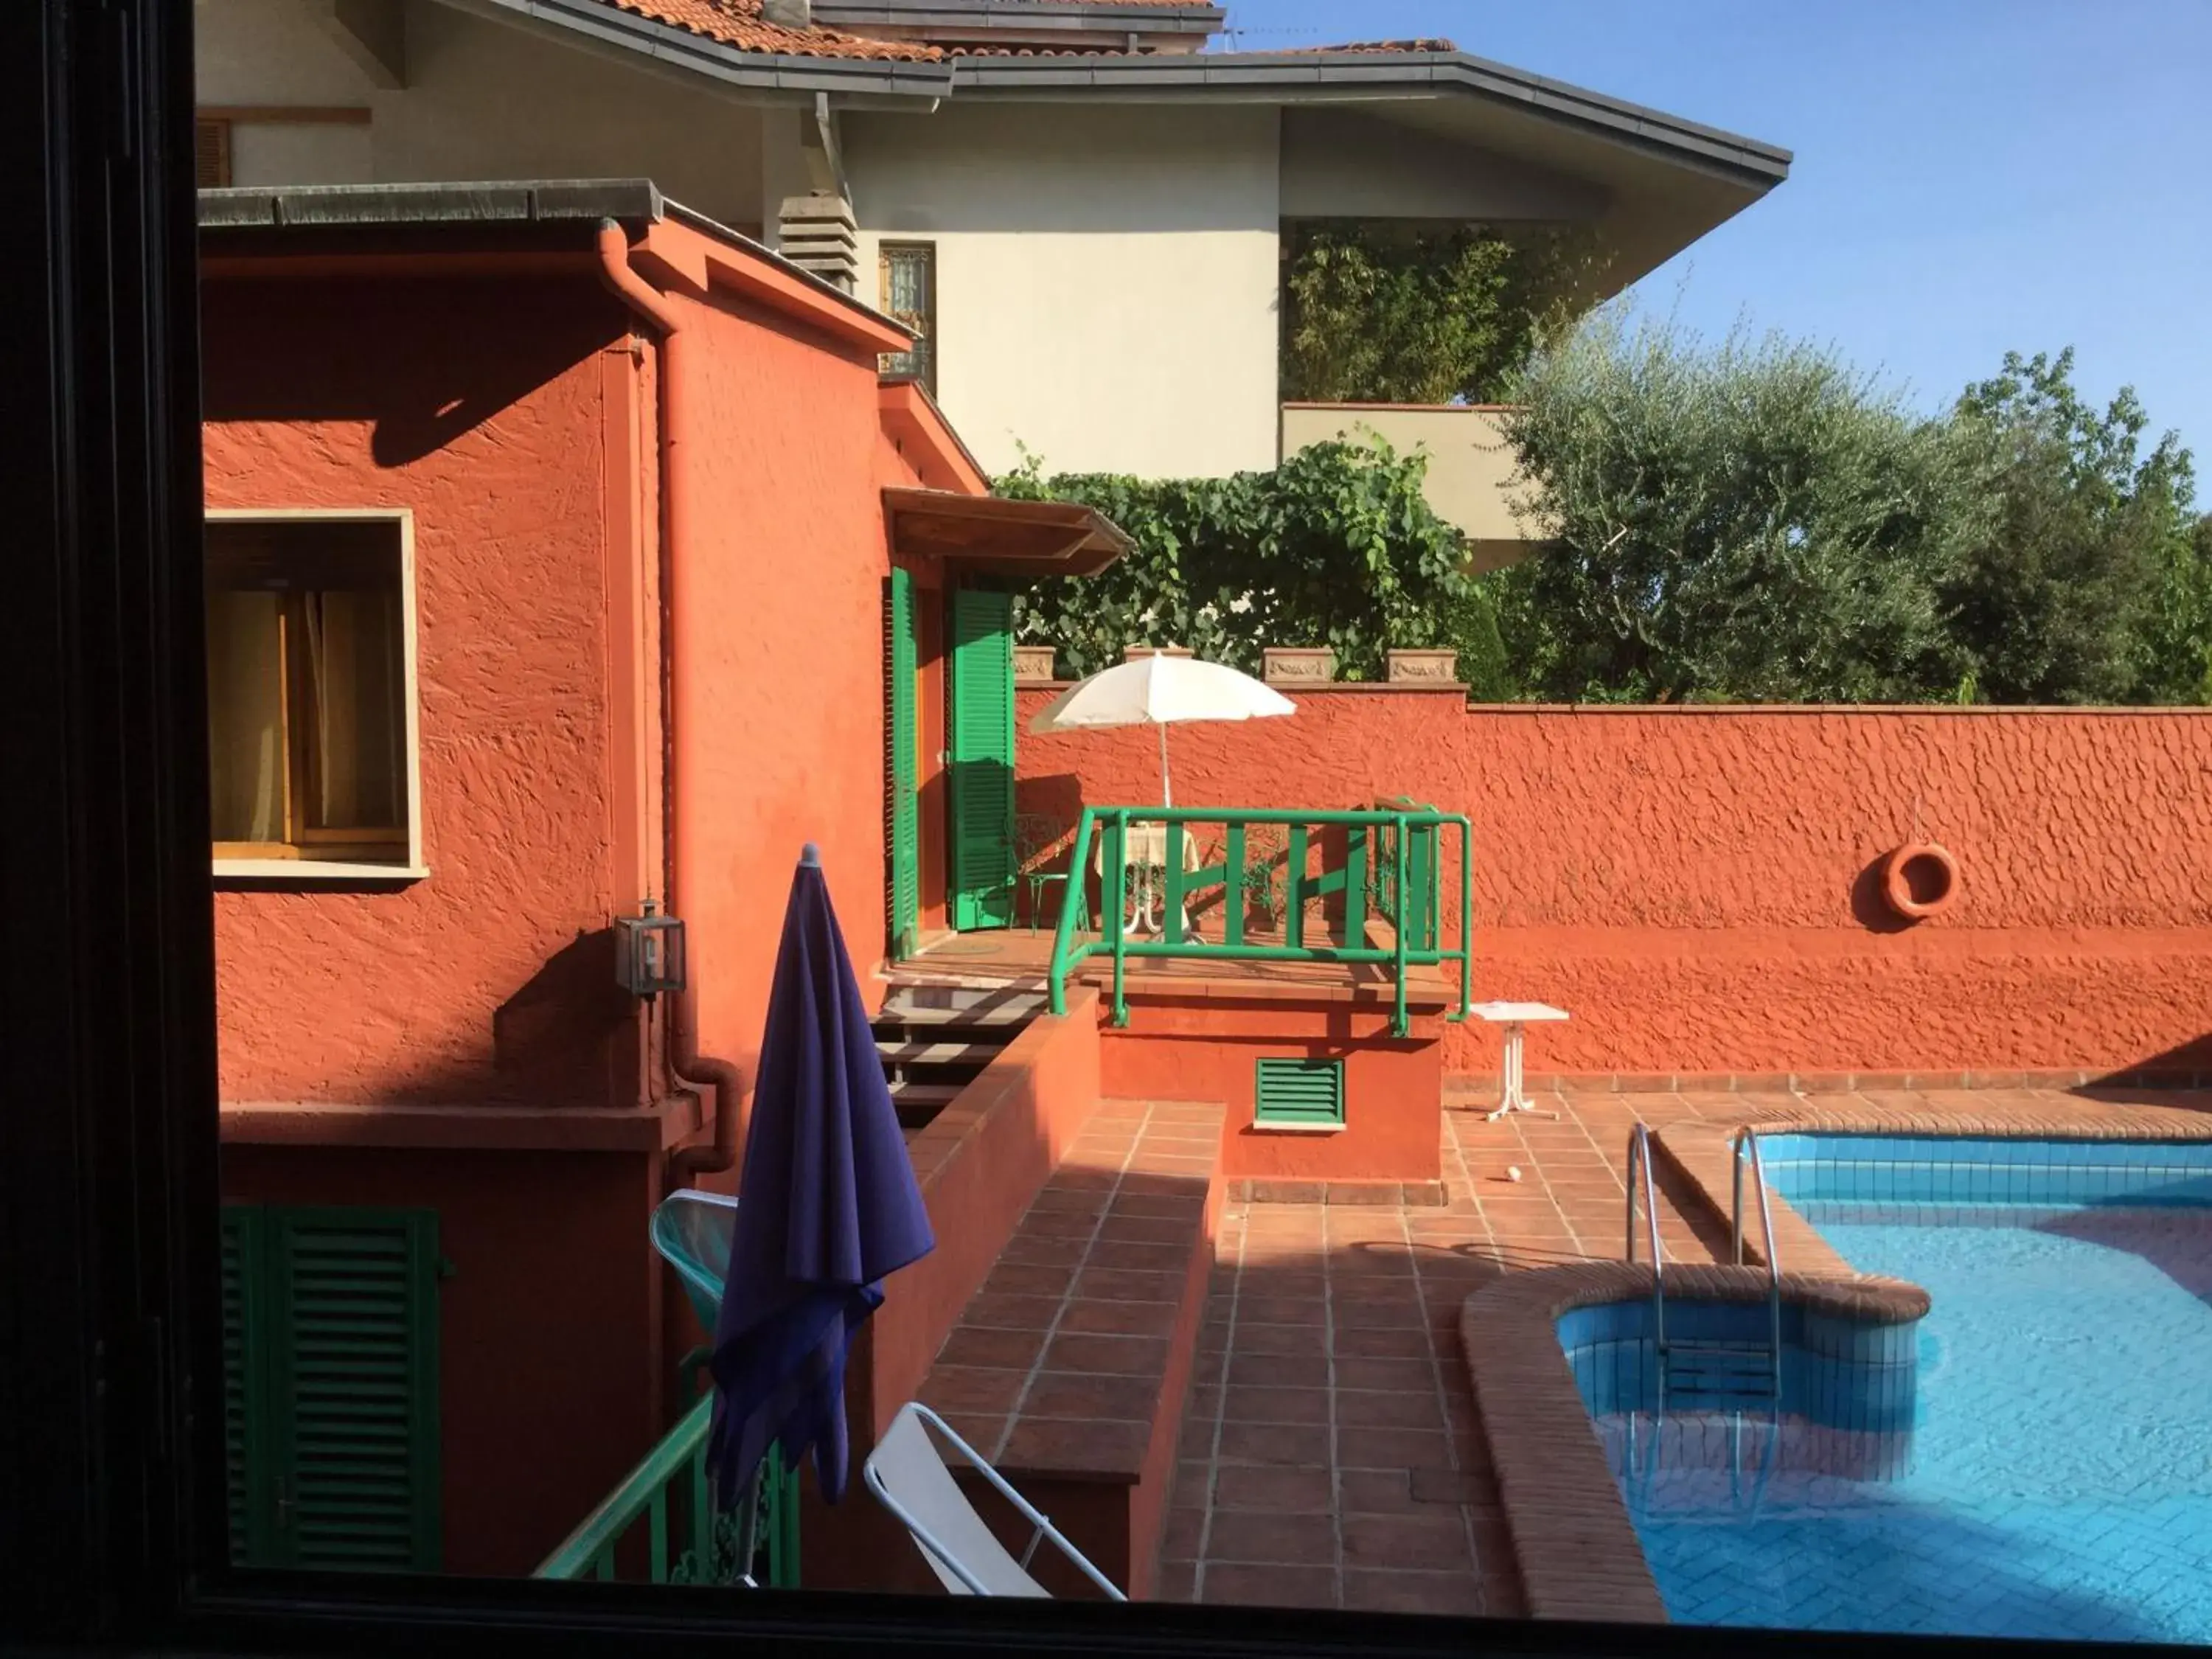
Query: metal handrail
1410, 946
670, 1490
1639, 1159
1748, 1137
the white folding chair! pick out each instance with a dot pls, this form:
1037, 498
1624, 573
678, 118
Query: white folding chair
908, 1475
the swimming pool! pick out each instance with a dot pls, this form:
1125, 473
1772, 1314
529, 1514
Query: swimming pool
2034, 1459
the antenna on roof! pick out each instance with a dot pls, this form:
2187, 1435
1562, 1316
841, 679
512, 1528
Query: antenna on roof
1236, 38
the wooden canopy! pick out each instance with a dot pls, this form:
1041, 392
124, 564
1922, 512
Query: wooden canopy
985, 534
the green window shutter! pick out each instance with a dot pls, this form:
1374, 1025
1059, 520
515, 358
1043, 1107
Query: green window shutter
901, 828
354, 1373
982, 732
246, 1425
1299, 1094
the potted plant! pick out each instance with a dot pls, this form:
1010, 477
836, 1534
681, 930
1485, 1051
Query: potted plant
1264, 877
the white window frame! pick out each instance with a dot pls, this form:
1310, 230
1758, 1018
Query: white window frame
329, 872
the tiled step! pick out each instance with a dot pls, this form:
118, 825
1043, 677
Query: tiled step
934, 1039
919, 1102
1069, 1369
907, 1051
950, 1004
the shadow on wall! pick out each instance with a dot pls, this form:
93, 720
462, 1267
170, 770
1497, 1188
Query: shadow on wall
568, 1023
272, 354
2151, 1081
1869, 908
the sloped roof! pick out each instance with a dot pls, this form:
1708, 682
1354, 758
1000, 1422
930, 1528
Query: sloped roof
738, 23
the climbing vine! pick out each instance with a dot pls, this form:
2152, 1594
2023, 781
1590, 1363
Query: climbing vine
1337, 546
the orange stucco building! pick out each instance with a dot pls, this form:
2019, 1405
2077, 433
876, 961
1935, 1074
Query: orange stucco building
550, 557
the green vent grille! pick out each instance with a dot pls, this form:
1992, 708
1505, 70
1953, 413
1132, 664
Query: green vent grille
1300, 1094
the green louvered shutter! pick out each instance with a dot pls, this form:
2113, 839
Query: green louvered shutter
354, 1376
245, 1385
1299, 1094
983, 722
902, 826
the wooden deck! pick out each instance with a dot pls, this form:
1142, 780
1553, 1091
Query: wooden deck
1018, 957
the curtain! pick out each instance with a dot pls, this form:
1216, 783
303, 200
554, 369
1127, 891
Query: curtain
356, 669
245, 714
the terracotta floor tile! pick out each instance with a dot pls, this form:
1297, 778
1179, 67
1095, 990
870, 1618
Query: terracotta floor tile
1274, 1488
1184, 1532
1272, 1404
1353, 1371
972, 1389
1391, 1448
1375, 1492
970, 1346
1443, 1594
1261, 1538
1433, 1541
1268, 1587
1107, 1356
1300, 1445
1278, 1371
1105, 1399
1289, 1340
1410, 1408
1103, 1318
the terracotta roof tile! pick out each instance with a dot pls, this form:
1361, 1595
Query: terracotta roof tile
738, 23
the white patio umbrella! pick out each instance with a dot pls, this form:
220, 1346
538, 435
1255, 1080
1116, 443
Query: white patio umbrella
1161, 690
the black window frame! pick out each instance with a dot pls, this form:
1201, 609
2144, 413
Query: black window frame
112, 1513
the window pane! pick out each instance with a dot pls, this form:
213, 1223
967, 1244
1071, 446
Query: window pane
245, 714
356, 677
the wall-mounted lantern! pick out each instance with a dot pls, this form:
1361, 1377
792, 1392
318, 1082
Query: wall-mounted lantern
649, 952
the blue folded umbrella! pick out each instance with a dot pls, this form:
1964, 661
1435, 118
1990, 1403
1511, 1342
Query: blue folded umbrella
827, 1208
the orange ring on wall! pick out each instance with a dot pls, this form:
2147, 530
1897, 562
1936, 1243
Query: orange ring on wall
1898, 884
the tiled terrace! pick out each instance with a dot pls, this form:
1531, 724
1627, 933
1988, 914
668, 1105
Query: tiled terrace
1331, 1453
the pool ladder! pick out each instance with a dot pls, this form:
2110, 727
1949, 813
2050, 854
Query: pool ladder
1699, 1370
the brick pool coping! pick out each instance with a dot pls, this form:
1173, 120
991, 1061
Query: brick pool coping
1573, 1539
1573, 1543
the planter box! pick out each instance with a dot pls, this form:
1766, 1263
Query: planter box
1033, 664
1422, 667
1299, 664
1131, 652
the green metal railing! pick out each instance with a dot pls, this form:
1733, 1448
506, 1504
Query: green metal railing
686, 1541
1391, 868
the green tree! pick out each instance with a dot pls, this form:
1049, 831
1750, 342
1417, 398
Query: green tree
1338, 546
1384, 314
1752, 521
2087, 587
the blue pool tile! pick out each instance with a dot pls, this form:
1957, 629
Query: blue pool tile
2034, 1460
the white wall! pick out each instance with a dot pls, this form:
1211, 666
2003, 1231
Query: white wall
483, 99
1106, 276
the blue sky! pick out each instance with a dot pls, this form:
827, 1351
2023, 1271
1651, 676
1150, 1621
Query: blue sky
1971, 176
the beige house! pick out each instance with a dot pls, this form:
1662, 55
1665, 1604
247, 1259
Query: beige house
1080, 203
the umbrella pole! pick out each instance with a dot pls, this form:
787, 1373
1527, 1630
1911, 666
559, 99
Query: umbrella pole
749, 1522
1167, 794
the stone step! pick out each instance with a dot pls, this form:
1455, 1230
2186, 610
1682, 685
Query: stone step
911, 1051
919, 1104
950, 1004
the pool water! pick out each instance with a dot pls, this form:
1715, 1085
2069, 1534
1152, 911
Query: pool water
2052, 1476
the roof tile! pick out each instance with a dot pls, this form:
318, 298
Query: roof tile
738, 23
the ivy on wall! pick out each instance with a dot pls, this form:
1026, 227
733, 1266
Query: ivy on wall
1387, 313
1338, 546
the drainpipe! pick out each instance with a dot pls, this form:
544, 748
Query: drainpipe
719, 1084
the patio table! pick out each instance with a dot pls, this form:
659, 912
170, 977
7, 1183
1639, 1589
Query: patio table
1516, 1017
1144, 854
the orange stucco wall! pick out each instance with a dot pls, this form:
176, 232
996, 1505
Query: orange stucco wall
790, 551
1208, 1048
550, 1387
515, 419
478, 405
1696, 886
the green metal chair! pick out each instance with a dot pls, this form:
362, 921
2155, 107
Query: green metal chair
1036, 838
